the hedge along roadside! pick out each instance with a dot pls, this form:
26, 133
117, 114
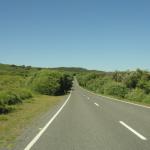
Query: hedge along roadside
44, 82
131, 85
51, 82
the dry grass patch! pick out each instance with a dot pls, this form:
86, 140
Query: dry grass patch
12, 124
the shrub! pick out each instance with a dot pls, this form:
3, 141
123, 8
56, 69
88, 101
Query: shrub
115, 89
146, 99
51, 83
133, 85
46, 83
14, 96
136, 95
9, 98
65, 83
96, 85
145, 85
4, 109
23, 94
131, 80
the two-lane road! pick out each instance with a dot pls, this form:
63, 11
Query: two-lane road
90, 122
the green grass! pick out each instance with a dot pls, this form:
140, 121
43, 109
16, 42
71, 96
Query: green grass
12, 124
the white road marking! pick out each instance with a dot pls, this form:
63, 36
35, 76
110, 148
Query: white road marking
99, 95
133, 131
96, 104
36, 138
88, 98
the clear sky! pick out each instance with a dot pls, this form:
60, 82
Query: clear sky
95, 34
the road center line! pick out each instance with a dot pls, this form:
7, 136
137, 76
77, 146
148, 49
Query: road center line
96, 104
133, 131
36, 138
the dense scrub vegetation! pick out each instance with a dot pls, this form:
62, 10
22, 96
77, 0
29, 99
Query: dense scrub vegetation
12, 91
18, 83
131, 85
51, 82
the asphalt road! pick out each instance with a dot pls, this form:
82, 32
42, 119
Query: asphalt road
90, 122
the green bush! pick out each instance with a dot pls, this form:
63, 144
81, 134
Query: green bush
96, 85
51, 83
23, 94
65, 83
130, 80
14, 96
46, 83
18, 82
115, 89
4, 109
9, 98
132, 85
146, 99
136, 95
145, 85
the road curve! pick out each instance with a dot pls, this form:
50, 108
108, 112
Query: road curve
90, 122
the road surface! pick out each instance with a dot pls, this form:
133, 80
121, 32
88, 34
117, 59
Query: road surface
90, 122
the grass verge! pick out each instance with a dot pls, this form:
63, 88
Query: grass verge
12, 124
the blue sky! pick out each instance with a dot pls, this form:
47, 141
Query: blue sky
95, 34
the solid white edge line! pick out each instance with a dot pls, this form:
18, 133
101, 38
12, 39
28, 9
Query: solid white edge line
36, 138
96, 104
133, 131
115, 99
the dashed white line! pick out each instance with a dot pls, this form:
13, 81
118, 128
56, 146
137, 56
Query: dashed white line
133, 131
96, 104
88, 98
36, 138
110, 98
